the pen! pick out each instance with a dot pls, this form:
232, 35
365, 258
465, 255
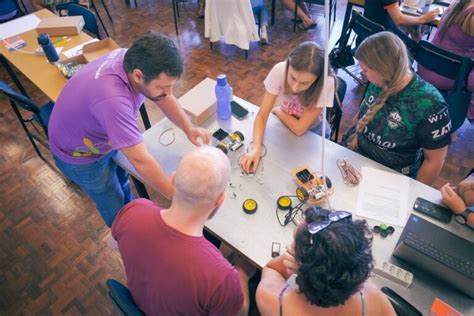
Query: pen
59, 39
61, 42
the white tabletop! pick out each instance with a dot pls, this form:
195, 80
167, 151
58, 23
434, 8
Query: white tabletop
252, 235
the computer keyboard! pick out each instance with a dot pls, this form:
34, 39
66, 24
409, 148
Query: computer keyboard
457, 263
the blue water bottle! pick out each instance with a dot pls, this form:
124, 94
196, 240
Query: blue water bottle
223, 96
48, 47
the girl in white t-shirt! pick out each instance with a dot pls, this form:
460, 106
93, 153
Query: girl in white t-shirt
295, 87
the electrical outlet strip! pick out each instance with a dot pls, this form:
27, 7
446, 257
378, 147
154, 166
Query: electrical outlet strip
394, 273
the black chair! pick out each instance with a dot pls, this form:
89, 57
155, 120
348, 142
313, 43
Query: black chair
358, 29
399, 304
334, 115
122, 299
39, 115
90, 19
452, 66
411, 44
332, 10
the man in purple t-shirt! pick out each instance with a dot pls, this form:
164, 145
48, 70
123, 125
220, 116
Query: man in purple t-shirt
171, 268
96, 115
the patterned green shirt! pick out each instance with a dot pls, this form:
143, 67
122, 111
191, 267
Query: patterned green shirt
416, 117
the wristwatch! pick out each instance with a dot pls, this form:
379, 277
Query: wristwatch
461, 218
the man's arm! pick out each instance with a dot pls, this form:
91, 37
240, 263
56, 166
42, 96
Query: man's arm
403, 19
148, 168
175, 113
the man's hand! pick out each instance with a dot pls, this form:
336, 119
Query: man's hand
466, 190
452, 200
196, 133
431, 15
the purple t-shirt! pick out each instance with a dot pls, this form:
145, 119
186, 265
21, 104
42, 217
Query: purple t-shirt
96, 112
170, 273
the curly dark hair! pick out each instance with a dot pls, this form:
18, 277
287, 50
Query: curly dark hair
154, 53
334, 262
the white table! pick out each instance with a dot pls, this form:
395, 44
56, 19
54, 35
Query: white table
252, 235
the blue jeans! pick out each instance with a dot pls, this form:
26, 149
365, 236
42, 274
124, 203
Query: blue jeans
106, 184
257, 5
318, 129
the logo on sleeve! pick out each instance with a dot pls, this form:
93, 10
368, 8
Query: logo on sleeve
394, 120
436, 117
437, 133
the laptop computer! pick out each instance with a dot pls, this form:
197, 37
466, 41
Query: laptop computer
433, 249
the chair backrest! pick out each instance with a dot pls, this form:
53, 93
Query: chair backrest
442, 62
90, 18
364, 27
122, 299
336, 111
411, 44
20, 100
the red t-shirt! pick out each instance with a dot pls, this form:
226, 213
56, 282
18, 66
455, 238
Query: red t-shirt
170, 273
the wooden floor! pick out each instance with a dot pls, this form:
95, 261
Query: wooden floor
53, 253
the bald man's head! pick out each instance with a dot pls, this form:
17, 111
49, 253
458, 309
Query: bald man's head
201, 177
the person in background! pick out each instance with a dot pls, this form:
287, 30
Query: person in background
8, 10
96, 114
403, 121
296, 87
331, 256
307, 22
171, 268
387, 13
455, 33
460, 200
258, 7
47, 4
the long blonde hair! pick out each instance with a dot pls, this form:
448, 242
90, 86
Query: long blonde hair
309, 57
386, 54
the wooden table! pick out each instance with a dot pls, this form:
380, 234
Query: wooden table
37, 68
252, 235
361, 4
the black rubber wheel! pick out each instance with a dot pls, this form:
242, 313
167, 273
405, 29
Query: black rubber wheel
302, 194
328, 182
223, 148
239, 135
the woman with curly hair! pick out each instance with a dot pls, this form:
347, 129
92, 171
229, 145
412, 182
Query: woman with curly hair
332, 258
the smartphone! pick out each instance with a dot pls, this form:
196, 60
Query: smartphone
239, 111
275, 249
433, 210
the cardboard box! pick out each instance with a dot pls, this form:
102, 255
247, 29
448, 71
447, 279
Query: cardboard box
61, 25
92, 51
200, 102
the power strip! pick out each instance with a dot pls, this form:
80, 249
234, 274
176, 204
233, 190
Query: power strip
394, 273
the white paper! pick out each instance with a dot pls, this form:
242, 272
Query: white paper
77, 49
383, 196
21, 25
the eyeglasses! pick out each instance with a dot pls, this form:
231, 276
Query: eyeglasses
333, 217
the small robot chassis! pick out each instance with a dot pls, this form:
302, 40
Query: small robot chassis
311, 185
226, 141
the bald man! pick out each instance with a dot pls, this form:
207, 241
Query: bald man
171, 268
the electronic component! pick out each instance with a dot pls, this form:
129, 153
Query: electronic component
275, 249
239, 111
312, 187
226, 141
432, 210
394, 273
250, 206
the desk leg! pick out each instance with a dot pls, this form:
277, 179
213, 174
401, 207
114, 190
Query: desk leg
141, 189
347, 15
175, 15
273, 12
144, 115
10, 71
